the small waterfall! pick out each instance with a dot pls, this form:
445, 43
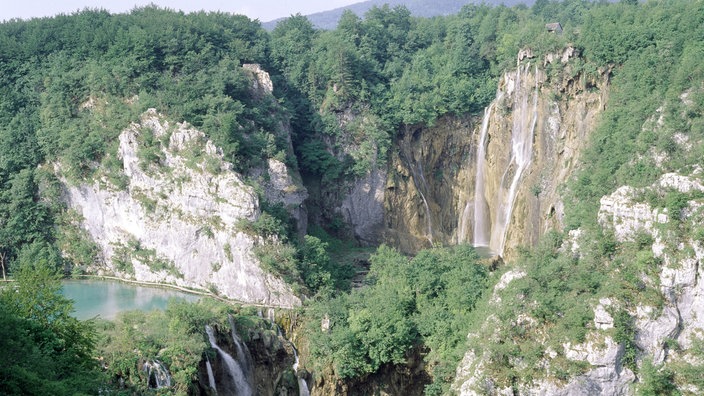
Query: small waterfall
211, 377
244, 358
422, 185
271, 317
481, 226
157, 374
521, 155
302, 385
235, 372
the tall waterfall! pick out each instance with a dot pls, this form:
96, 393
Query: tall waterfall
482, 224
242, 387
422, 185
157, 374
524, 121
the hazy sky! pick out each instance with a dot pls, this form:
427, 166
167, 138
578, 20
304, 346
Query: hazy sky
264, 10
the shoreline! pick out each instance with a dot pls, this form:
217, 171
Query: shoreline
197, 292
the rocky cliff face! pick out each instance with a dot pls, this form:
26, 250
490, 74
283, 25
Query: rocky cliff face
664, 331
525, 147
430, 171
681, 319
176, 220
173, 212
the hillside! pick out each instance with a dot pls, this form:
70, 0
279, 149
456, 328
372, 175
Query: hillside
419, 8
465, 204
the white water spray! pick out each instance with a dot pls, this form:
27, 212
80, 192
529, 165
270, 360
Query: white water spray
234, 370
244, 358
211, 377
524, 121
482, 224
302, 385
157, 374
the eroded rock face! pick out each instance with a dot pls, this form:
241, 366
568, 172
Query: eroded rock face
679, 279
432, 176
606, 375
431, 171
176, 221
363, 207
261, 83
281, 185
679, 321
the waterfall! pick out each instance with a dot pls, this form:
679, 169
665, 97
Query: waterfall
211, 377
157, 374
521, 156
302, 385
482, 224
235, 372
422, 185
243, 356
271, 317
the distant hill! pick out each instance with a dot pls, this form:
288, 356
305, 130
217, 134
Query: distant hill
419, 8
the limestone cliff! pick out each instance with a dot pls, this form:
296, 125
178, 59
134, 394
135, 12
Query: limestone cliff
664, 331
526, 146
353, 204
176, 220
430, 171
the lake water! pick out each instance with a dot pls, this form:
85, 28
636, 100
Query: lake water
106, 298
484, 252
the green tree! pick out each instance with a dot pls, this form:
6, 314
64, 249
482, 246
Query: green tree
56, 349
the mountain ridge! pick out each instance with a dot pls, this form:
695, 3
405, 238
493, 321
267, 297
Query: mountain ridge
327, 20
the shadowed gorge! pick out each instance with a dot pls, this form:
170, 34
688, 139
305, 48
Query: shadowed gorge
505, 200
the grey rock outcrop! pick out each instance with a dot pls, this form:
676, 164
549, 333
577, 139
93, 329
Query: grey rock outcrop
663, 334
177, 220
363, 207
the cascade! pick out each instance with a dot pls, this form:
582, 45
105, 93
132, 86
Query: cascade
302, 385
242, 387
271, 317
157, 374
481, 208
244, 358
422, 185
524, 122
211, 377
482, 224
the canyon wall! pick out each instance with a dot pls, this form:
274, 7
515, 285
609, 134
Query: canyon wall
525, 147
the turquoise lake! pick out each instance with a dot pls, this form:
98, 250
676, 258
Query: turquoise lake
105, 299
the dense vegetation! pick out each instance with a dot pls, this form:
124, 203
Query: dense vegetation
69, 84
426, 301
45, 351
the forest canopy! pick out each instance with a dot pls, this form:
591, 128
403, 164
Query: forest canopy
71, 83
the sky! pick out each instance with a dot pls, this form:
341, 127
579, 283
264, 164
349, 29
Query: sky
264, 10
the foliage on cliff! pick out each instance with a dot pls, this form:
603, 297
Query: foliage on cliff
175, 337
69, 84
427, 300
